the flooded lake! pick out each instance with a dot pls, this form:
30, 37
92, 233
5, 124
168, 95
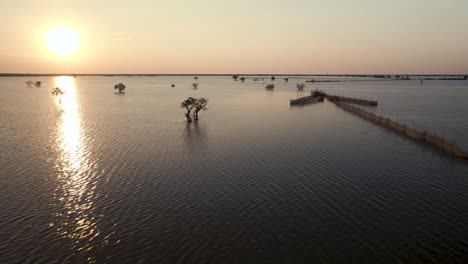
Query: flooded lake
121, 178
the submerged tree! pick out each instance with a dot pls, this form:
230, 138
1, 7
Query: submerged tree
29, 83
173, 85
242, 79
286, 79
120, 86
200, 104
194, 85
38, 84
235, 77
58, 92
195, 78
273, 78
188, 104
196, 105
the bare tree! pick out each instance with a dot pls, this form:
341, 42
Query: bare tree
120, 86
200, 104
189, 105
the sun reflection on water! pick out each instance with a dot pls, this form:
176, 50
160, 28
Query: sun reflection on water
76, 172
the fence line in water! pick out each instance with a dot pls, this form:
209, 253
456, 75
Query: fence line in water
305, 100
420, 136
350, 100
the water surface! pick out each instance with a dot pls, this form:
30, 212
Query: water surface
103, 177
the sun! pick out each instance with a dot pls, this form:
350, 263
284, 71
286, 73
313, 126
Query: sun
62, 41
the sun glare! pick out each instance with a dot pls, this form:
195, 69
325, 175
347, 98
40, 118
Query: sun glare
62, 40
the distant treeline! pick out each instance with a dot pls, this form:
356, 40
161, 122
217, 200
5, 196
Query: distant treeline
377, 76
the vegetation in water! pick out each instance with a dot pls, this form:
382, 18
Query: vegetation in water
120, 87
193, 104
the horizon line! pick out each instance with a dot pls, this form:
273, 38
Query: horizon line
222, 74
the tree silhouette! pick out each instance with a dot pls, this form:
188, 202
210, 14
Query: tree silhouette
235, 77
196, 105
173, 85
189, 105
273, 78
200, 104
195, 85
58, 92
242, 79
38, 84
195, 78
466, 77
120, 86
286, 79
300, 86
29, 83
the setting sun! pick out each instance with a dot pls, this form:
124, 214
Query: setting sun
62, 40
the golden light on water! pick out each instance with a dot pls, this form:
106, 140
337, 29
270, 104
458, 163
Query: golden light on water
75, 171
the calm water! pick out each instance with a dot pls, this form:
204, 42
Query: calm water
102, 177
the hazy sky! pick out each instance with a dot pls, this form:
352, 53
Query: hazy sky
239, 36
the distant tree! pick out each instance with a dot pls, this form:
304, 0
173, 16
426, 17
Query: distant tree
195, 78
300, 86
242, 79
29, 83
38, 84
200, 104
273, 78
270, 87
286, 79
173, 85
235, 77
466, 77
58, 92
195, 85
120, 86
397, 76
189, 105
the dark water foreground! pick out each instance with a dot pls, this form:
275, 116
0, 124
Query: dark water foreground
122, 178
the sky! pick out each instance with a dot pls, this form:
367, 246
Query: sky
241, 36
